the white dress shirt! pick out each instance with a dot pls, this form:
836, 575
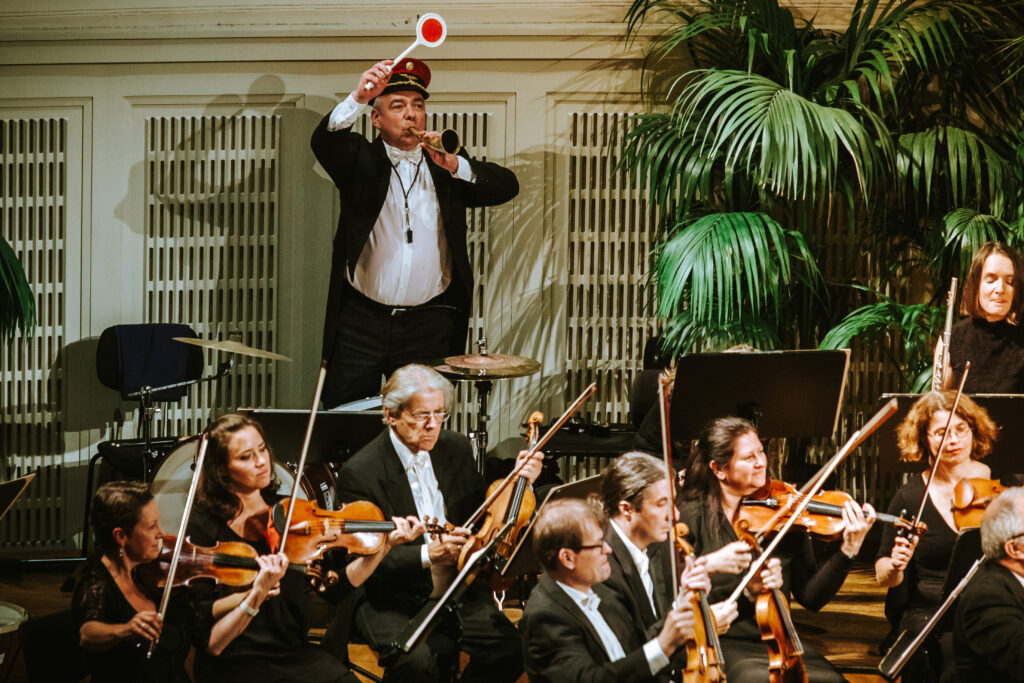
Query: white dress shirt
425, 492
642, 562
391, 269
588, 603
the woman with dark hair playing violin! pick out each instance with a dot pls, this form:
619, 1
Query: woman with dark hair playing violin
914, 569
728, 464
233, 503
116, 608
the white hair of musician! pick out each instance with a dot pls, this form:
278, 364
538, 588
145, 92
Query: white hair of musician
1002, 521
409, 380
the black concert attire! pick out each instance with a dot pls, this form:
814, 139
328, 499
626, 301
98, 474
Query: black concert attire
989, 629
98, 598
996, 353
627, 585
811, 583
401, 584
273, 648
909, 605
364, 338
560, 643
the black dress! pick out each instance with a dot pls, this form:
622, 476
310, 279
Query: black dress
186, 623
909, 605
273, 647
996, 353
813, 585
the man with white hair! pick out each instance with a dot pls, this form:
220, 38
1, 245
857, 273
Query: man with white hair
421, 469
988, 634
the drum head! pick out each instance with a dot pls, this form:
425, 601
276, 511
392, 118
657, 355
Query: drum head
11, 617
174, 476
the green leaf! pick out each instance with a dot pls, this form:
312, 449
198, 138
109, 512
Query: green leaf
17, 307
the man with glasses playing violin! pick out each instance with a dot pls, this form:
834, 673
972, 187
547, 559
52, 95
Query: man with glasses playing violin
418, 468
574, 628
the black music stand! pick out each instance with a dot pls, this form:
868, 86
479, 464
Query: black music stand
523, 560
792, 394
336, 437
1006, 458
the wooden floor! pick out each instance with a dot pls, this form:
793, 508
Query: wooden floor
846, 631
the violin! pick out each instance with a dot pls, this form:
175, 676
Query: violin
358, 527
516, 503
823, 517
231, 563
703, 653
971, 497
785, 651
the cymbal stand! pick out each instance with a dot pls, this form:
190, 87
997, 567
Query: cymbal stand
479, 434
147, 411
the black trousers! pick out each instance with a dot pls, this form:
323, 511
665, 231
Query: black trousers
308, 665
488, 637
374, 340
746, 661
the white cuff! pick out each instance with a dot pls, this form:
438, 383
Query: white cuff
465, 171
656, 659
345, 114
425, 556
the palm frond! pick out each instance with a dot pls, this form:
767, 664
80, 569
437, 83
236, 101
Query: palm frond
17, 308
793, 146
722, 266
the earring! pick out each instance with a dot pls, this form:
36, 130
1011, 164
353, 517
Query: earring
120, 552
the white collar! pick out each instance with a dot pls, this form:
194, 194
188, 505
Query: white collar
404, 454
588, 600
414, 155
640, 558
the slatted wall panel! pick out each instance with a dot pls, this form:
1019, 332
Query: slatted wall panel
211, 226
33, 195
474, 130
610, 234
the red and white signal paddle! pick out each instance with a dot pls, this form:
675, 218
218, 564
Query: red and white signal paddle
430, 32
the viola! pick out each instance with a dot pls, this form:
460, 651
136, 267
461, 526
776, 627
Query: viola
516, 503
704, 653
231, 563
823, 517
785, 651
971, 497
358, 527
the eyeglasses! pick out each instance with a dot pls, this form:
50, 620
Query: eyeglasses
423, 419
960, 432
590, 547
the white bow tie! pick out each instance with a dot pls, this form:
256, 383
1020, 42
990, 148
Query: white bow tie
413, 156
590, 601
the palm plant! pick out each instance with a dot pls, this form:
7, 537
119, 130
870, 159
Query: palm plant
17, 310
770, 139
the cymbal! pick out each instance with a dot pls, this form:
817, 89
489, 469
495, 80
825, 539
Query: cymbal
230, 346
491, 366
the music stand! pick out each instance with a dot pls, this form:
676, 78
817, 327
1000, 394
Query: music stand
791, 394
336, 437
966, 550
1004, 409
523, 560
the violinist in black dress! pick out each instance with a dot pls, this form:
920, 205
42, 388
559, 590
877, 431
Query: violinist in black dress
233, 503
728, 464
115, 605
914, 570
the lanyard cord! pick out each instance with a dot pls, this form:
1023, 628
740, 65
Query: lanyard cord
405, 196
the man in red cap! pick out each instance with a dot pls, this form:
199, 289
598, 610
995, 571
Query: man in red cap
401, 282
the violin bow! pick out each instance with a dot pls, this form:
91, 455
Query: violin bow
302, 456
887, 411
552, 430
204, 441
942, 446
666, 454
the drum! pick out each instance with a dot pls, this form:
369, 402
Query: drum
173, 477
11, 618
